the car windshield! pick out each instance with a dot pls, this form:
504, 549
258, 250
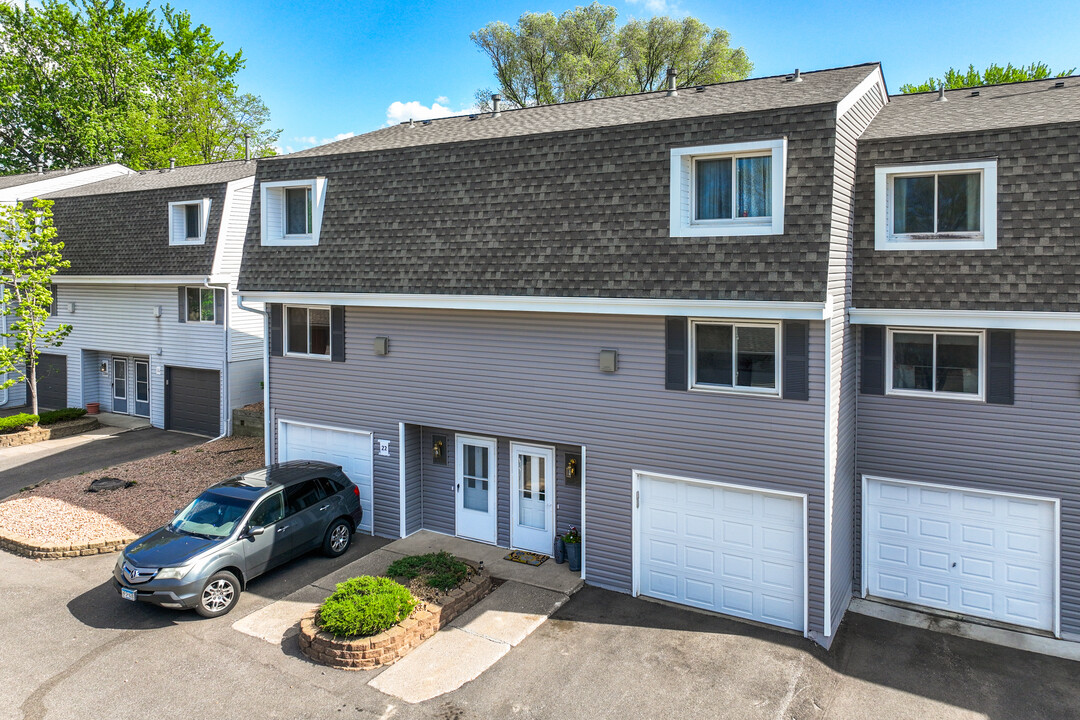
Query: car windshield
210, 515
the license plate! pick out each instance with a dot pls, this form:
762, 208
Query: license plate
129, 594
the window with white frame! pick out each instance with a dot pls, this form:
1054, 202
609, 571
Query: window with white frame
731, 189
944, 206
938, 362
187, 222
735, 356
201, 305
307, 331
292, 211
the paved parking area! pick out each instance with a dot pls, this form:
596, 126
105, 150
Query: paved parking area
69, 648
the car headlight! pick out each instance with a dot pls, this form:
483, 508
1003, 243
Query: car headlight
120, 563
173, 573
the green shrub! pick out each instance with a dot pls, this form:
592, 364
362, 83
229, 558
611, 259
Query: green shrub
365, 605
15, 423
441, 570
55, 416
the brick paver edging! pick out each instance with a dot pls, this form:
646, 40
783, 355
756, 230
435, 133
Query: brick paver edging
55, 551
40, 433
391, 645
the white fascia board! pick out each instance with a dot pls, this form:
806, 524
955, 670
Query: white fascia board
976, 319
874, 79
130, 279
583, 305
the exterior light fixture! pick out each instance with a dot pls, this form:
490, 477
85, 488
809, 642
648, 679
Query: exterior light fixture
382, 346
609, 360
438, 449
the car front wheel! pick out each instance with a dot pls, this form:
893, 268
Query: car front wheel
338, 538
219, 595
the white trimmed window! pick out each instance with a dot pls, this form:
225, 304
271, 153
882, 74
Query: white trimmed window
943, 206
731, 189
187, 222
307, 331
945, 363
292, 211
201, 305
735, 356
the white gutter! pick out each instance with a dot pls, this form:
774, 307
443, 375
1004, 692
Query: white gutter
978, 319
129, 279
266, 374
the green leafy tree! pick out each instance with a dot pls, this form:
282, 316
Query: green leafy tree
85, 82
584, 54
993, 75
30, 255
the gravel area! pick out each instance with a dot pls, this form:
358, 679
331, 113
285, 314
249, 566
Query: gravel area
64, 512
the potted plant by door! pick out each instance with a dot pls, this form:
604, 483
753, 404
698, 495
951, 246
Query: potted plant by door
572, 541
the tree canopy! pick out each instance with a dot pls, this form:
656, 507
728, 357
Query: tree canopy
584, 54
993, 75
86, 82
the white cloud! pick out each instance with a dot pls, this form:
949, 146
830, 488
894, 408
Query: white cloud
308, 140
658, 7
339, 136
442, 99
400, 112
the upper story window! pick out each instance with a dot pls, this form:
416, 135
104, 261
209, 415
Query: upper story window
731, 189
292, 211
946, 206
201, 304
187, 222
307, 331
735, 356
945, 363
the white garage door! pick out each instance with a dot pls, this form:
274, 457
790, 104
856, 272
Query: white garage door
347, 448
731, 550
976, 553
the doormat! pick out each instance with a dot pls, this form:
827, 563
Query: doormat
528, 558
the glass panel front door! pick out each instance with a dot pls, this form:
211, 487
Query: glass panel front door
533, 502
475, 470
142, 388
119, 384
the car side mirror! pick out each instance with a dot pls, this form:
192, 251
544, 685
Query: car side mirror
254, 531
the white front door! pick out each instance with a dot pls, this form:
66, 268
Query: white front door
532, 506
350, 449
476, 515
973, 552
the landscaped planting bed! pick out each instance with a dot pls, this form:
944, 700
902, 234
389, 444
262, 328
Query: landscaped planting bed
369, 622
27, 428
62, 519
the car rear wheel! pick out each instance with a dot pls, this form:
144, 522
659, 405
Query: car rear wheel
219, 595
338, 538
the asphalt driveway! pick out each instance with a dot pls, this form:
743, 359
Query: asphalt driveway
69, 648
29, 464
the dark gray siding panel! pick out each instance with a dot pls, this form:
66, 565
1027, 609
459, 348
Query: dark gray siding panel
534, 376
1030, 447
414, 500
438, 489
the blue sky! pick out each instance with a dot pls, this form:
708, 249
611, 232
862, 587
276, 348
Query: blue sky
327, 69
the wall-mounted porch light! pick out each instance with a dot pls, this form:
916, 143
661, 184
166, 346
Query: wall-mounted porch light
438, 449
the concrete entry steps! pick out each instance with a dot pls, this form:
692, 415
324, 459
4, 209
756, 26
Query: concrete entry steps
464, 649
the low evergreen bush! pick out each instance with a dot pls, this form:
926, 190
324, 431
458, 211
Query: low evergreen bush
55, 416
440, 570
364, 606
15, 423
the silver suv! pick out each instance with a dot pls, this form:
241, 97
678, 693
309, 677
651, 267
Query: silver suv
236, 531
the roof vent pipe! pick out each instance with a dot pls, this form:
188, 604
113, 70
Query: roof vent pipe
40, 167
412, 123
797, 77
671, 87
172, 164
496, 101
247, 147
941, 94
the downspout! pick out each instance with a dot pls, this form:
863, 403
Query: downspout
3, 300
266, 371
224, 368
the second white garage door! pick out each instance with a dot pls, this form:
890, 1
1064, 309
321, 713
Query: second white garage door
348, 448
732, 550
971, 552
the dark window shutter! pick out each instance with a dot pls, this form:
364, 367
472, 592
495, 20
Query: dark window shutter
275, 329
872, 381
1000, 372
181, 296
54, 305
337, 333
676, 349
219, 307
796, 360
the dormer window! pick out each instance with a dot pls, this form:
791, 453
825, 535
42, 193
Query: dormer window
292, 211
945, 206
187, 222
732, 189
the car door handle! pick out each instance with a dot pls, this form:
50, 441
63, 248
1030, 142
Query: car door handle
283, 528
324, 507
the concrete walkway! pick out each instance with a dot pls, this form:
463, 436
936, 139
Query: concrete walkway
464, 649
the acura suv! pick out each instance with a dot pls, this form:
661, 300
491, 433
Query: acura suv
236, 531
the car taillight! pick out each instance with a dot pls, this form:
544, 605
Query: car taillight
356, 491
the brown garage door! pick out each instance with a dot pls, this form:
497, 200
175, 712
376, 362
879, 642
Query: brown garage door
52, 381
193, 401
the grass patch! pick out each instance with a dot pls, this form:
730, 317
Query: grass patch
18, 422
364, 606
441, 570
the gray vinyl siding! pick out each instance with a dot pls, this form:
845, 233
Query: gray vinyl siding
414, 500
535, 376
841, 423
438, 484
1031, 447
244, 380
